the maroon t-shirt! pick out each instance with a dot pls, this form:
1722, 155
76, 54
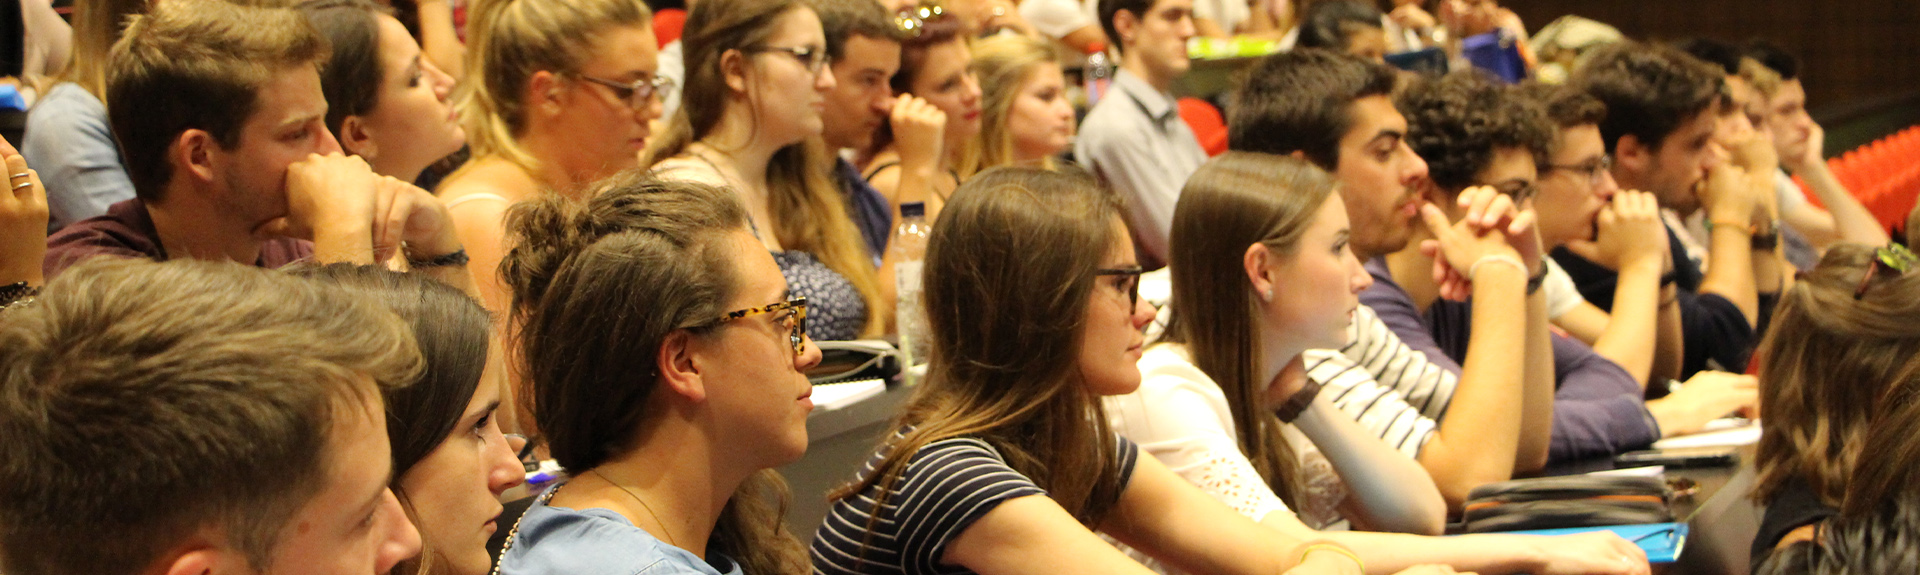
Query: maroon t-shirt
126, 231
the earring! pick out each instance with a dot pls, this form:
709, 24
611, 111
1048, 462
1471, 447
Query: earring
1267, 294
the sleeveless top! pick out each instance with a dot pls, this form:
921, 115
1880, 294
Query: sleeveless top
835, 310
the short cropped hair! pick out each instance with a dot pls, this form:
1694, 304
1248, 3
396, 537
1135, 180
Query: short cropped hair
842, 19
1298, 101
196, 64
1721, 54
142, 402
1773, 56
1649, 90
1456, 122
1331, 24
1565, 107
1110, 8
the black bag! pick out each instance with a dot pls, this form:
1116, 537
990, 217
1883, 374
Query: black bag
1571, 501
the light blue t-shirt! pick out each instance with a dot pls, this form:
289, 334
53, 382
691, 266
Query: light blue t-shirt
69, 142
561, 541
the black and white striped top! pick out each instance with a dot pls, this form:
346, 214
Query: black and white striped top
947, 486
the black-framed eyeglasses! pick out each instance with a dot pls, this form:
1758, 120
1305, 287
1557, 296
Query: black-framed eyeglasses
1133, 282
1891, 256
1594, 169
796, 322
638, 93
815, 59
913, 22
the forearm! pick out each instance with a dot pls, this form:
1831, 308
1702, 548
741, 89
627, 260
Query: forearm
1632, 333
1851, 220
1479, 439
1536, 416
343, 244
1670, 351
1386, 553
439, 40
1390, 491
1730, 265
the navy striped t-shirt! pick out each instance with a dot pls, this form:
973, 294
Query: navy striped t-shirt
947, 486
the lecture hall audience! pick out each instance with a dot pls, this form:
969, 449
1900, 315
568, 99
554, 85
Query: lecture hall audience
435, 287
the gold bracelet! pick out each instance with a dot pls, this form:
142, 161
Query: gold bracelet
1334, 548
1749, 228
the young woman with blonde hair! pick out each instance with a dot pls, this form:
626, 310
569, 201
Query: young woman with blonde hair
1261, 273
750, 122
559, 94
1025, 119
670, 429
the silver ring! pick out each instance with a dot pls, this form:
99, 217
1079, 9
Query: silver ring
26, 184
20, 175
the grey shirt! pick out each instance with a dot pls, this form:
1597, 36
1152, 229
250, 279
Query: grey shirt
1136, 143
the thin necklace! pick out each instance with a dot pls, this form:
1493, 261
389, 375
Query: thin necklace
643, 505
739, 190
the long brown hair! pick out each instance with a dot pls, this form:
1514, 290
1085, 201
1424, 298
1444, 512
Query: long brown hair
1826, 362
1009, 274
97, 24
511, 40
1003, 64
1232, 202
640, 258
808, 212
935, 31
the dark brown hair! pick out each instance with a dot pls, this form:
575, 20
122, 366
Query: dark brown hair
196, 65
1457, 122
144, 402
451, 330
1234, 201
842, 19
1649, 90
1826, 362
936, 31
640, 258
1301, 101
1009, 274
352, 77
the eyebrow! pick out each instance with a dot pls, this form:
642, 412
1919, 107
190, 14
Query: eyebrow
1389, 135
491, 407
300, 121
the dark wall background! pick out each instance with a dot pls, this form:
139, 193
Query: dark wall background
1856, 53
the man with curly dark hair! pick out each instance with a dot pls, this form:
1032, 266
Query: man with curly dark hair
1474, 131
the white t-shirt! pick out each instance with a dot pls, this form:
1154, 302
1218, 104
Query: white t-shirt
1562, 294
1181, 417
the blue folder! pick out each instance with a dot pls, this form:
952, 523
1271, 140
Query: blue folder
1661, 541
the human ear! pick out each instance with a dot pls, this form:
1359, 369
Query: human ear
202, 558
192, 153
1631, 155
1255, 262
1124, 23
733, 69
355, 140
679, 366
543, 93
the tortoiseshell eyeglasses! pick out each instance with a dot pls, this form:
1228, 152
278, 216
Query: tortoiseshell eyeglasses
796, 321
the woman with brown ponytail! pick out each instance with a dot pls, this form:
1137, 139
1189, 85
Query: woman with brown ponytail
663, 353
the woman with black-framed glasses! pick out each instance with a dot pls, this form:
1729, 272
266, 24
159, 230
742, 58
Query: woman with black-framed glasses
663, 352
750, 122
1003, 462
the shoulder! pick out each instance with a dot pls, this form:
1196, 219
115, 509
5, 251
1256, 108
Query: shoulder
685, 169
588, 541
66, 114
111, 234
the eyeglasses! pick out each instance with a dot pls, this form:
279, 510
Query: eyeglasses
796, 323
1594, 170
1518, 190
1892, 256
1133, 282
815, 59
639, 93
913, 22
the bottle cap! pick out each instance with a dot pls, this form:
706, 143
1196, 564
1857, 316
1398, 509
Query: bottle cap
913, 210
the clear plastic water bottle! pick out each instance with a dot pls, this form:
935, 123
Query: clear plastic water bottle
909, 248
1098, 73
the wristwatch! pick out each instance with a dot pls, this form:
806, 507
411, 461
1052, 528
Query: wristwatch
1297, 404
